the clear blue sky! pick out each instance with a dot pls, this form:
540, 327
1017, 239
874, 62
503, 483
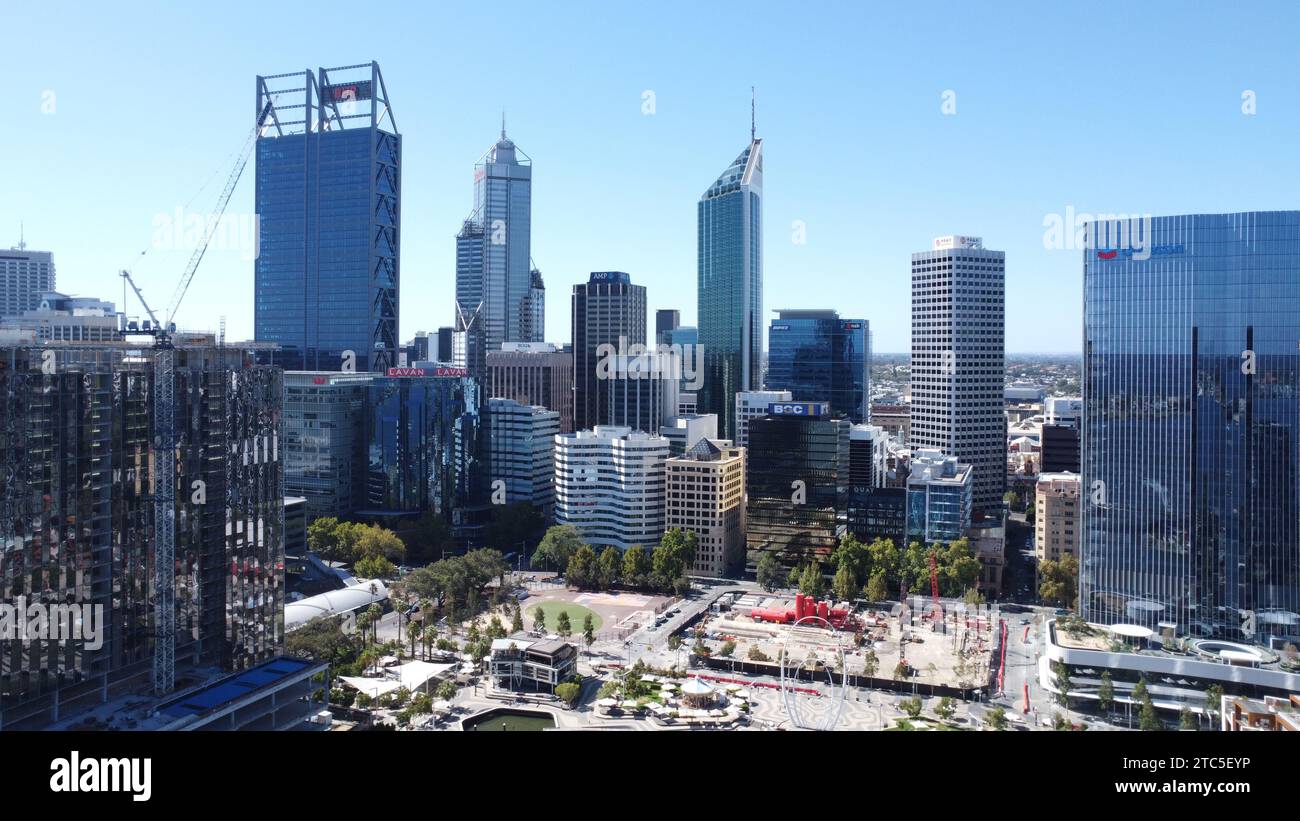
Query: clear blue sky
1114, 108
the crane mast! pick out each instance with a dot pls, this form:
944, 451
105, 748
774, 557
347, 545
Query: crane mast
164, 462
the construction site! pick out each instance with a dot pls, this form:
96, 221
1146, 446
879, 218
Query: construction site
925, 644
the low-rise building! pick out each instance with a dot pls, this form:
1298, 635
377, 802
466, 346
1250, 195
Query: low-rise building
517, 663
1057, 526
939, 492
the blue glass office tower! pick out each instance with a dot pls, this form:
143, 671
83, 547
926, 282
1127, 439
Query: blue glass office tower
499, 296
328, 194
1191, 424
730, 246
819, 357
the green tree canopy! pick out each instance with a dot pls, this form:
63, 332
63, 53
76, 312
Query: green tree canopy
557, 547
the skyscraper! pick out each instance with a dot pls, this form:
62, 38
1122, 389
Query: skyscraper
607, 310
498, 293
958, 367
24, 277
328, 193
730, 283
77, 510
1191, 428
609, 483
533, 373
819, 357
667, 320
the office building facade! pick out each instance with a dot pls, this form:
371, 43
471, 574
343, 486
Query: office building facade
1191, 429
24, 277
78, 438
62, 318
730, 286
608, 310
1058, 526
797, 478
521, 448
325, 440
817, 356
958, 360
667, 320
706, 495
610, 484
328, 195
499, 296
940, 491
751, 405
534, 373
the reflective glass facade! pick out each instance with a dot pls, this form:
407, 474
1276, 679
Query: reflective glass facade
730, 249
803, 522
326, 276
1191, 423
819, 357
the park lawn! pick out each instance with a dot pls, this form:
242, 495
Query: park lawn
552, 610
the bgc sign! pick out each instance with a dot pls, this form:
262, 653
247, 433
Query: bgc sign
809, 409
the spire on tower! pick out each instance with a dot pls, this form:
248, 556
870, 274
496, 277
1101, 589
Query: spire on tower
753, 99
503, 123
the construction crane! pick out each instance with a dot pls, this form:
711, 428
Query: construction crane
164, 464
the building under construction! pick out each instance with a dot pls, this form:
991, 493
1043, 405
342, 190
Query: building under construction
78, 468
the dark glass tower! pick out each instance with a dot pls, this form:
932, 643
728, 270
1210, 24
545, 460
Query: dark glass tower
328, 193
730, 245
606, 308
1191, 424
818, 357
796, 442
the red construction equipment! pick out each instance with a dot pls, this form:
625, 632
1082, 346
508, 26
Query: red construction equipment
804, 606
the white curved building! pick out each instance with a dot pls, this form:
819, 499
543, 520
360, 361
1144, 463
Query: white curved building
333, 602
609, 483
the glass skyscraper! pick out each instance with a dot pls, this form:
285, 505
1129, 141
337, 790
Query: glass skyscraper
499, 296
730, 246
819, 357
328, 193
1191, 424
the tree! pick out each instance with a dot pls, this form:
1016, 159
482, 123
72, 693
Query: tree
588, 631
636, 567
413, 633
609, 568
495, 629
1105, 693
855, 555
562, 625
446, 690
870, 664
1059, 581
539, 619
429, 537
558, 546
1012, 499
900, 671
912, 706
728, 647
996, 718
323, 538
378, 542
672, 558
756, 654
374, 567
768, 572
674, 641
877, 588
1213, 703
1147, 719
322, 639
811, 582
568, 693
1062, 682
1186, 718
517, 620
581, 571
845, 584
946, 708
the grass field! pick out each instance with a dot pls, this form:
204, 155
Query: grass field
552, 610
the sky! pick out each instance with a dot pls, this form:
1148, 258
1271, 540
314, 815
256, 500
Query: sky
884, 126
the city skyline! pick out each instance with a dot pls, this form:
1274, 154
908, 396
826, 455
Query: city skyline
1022, 147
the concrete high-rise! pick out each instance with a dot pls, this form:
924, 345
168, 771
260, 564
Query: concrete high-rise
609, 483
522, 453
328, 195
958, 364
534, 373
24, 277
706, 495
607, 310
730, 285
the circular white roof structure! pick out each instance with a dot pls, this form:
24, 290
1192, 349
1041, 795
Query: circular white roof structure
1132, 631
695, 687
1239, 656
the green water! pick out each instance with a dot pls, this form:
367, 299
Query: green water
510, 721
